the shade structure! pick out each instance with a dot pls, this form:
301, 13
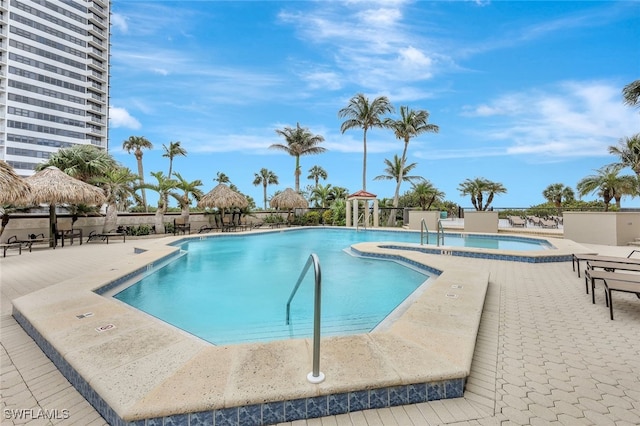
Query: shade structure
52, 186
13, 189
288, 199
223, 197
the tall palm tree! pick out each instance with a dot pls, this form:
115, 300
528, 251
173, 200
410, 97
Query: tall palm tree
173, 150
426, 194
83, 162
479, 187
188, 189
557, 192
364, 115
628, 150
118, 184
607, 183
137, 144
316, 173
321, 195
165, 188
631, 93
300, 141
410, 125
265, 177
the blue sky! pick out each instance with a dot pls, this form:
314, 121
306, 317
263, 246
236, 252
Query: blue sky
525, 93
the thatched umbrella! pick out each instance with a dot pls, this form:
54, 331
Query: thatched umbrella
13, 189
288, 199
52, 186
223, 197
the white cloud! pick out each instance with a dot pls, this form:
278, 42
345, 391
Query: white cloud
119, 22
120, 117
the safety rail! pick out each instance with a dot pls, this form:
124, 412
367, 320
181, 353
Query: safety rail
440, 235
364, 224
315, 376
423, 229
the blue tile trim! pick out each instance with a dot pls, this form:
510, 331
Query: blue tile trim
453, 252
259, 414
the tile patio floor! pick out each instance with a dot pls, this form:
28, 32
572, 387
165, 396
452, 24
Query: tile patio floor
544, 355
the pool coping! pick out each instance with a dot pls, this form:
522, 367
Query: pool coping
139, 368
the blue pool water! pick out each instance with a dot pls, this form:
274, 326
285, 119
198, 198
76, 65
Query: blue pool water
234, 288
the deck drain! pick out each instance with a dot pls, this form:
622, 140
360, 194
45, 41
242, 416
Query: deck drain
105, 328
456, 286
452, 295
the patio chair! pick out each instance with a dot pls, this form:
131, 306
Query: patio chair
180, 224
11, 244
614, 281
64, 229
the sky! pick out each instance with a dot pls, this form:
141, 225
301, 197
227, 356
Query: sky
525, 93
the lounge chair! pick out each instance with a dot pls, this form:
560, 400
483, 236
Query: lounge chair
549, 223
576, 258
104, 236
29, 241
516, 221
595, 271
614, 281
10, 245
64, 229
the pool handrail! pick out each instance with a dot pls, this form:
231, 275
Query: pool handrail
423, 228
440, 233
364, 224
315, 376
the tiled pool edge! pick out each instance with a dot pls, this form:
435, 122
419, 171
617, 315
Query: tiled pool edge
449, 251
258, 414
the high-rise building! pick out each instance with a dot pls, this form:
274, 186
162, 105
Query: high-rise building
54, 78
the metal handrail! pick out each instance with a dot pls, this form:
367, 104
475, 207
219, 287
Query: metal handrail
364, 224
315, 376
423, 227
440, 233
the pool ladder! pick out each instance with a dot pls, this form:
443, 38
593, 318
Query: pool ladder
425, 230
316, 376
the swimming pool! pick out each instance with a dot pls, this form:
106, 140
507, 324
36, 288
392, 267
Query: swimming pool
232, 289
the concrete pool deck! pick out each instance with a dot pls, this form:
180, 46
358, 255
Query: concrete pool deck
494, 389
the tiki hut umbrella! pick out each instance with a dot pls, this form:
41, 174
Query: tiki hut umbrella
13, 189
52, 186
223, 197
288, 199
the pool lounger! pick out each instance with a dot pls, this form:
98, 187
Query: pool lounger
596, 257
93, 235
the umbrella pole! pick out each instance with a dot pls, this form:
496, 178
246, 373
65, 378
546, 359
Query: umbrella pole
52, 226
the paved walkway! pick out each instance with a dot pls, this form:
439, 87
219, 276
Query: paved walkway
545, 354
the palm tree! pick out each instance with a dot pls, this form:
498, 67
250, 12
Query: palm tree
395, 171
118, 184
557, 192
265, 177
338, 193
321, 195
173, 150
365, 115
221, 178
410, 124
607, 184
426, 194
477, 188
628, 150
164, 188
316, 173
137, 144
300, 141
188, 189
83, 162
631, 93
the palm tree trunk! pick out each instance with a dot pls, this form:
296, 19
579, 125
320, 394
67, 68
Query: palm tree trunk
396, 195
297, 173
264, 189
111, 218
141, 174
364, 161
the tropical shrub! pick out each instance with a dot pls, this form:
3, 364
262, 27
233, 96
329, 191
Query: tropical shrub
327, 217
312, 218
